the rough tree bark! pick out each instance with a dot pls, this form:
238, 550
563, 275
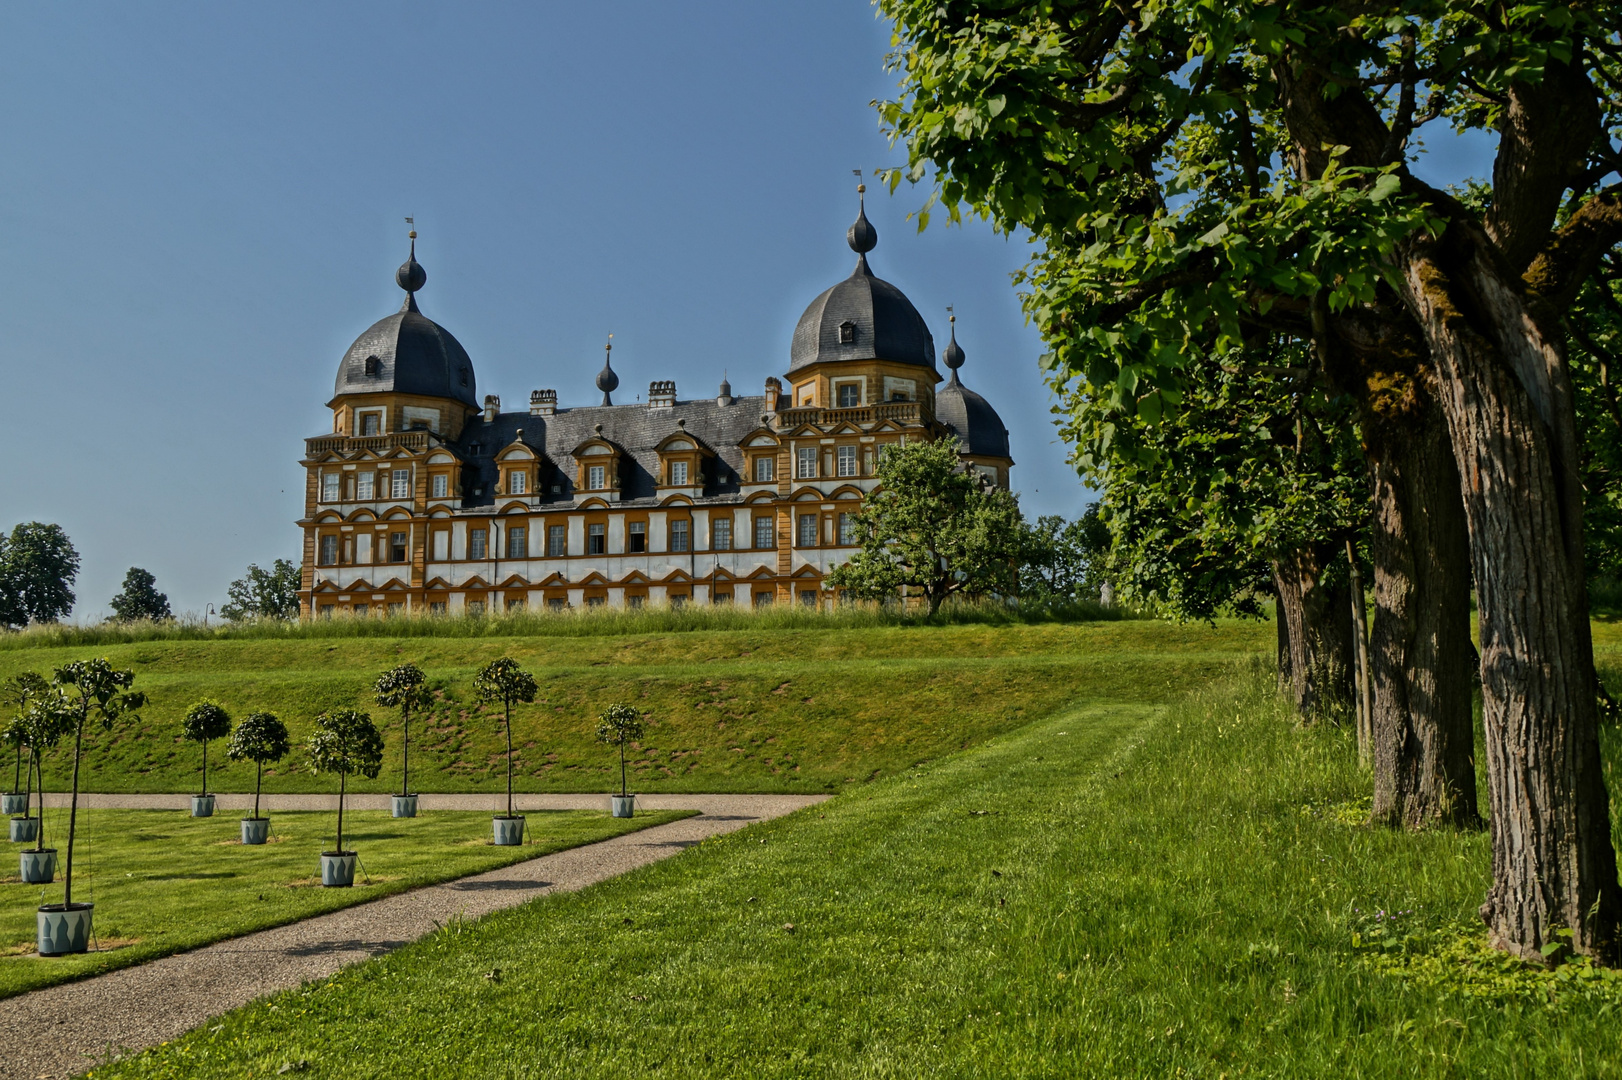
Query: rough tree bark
1318, 620
1502, 387
1420, 655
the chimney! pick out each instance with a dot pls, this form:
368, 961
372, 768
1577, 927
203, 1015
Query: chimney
492, 406
774, 390
661, 393
543, 402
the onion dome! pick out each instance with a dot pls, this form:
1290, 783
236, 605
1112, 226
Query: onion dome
607, 381
862, 317
408, 353
966, 414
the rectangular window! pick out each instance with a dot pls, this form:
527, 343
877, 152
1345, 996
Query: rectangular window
362, 610
808, 530
847, 529
636, 540
396, 610
442, 486
557, 541
515, 542
763, 533
596, 539
436, 607
515, 605
329, 551
721, 598
808, 463
365, 484
515, 483
476, 543
634, 602
369, 423
850, 395
808, 597
402, 484
763, 599
475, 607
325, 611
558, 603
847, 461
397, 547
764, 468
678, 535
595, 477
678, 600
596, 601
721, 534
329, 487
678, 473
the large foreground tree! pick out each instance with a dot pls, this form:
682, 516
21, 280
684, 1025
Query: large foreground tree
1141, 145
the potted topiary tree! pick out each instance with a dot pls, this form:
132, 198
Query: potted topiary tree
504, 681
404, 687
85, 686
344, 742
205, 721
44, 724
19, 691
261, 739
619, 725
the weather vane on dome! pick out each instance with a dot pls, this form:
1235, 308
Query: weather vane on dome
861, 188
413, 223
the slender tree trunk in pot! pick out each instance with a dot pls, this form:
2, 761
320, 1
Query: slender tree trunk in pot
1506, 394
343, 778
508, 714
73, 814
205, 767
258, 782
1421, 654
36, 770
405, 751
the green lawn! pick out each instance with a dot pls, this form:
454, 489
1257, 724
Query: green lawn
164, 882
801, 710
1112, 890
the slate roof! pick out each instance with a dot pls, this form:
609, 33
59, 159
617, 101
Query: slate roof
415, 356
636, 429
971, 418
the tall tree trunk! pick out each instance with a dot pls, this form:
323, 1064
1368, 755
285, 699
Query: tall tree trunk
1360, 656
1319, 618
1420, 655
1506, 395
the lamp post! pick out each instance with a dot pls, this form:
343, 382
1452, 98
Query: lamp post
207, 611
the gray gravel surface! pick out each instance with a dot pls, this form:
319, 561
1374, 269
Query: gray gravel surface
64, 1030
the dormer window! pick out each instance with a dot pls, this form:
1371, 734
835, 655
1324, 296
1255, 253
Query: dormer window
847, 333
463, 374
374, 366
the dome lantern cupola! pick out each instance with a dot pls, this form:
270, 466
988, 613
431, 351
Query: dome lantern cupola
408, 353
862, 317
607, 380
966, 414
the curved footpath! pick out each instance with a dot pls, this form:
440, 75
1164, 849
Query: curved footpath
64, 1030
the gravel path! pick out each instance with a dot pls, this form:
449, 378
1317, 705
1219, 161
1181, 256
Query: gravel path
64, 1030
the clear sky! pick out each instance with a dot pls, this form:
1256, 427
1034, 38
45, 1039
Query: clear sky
201, 206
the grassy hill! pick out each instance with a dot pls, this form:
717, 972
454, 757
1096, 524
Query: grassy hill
779, 705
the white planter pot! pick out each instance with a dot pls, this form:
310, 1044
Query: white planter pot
37, 867
509, 831
24, 830
202, 806
14, 802
255, 830
405, 806
337, 869
64, 929
622, 805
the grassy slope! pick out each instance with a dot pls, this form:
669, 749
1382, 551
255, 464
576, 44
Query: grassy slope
1115, 890
163, 882
796, 710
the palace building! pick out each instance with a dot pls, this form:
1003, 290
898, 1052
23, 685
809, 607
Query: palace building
425, 499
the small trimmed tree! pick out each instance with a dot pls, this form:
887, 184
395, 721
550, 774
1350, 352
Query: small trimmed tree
346, 742
20, 692
504, 681
45, 722
140, 598
206, 721
405, 688
85, 687
619, 725
262, 739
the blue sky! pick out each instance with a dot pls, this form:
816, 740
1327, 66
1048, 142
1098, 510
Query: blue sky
202, 205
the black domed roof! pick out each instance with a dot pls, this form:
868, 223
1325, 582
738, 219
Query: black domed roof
861, 318
408, 353
968, 415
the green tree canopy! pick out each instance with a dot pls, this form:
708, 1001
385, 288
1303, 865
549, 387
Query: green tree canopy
261, 738
264, 594
205, 721
934, 527
1064, 560
345, 742
619, 726
140, 598
504, 681
38, 567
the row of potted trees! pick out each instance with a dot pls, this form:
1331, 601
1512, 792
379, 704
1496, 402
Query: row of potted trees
345, 742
